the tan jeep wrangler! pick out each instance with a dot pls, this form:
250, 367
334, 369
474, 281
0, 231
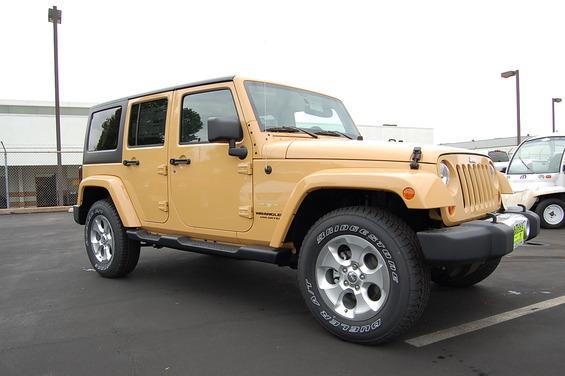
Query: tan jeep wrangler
259, 171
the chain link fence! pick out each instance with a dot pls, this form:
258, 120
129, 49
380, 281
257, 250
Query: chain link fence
28, 178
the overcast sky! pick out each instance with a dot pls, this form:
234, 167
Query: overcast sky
413, 63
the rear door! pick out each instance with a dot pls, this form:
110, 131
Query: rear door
145, 156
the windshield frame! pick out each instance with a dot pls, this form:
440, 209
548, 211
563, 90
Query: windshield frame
516, 158
354, 135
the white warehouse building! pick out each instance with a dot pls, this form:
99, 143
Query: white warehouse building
27, 130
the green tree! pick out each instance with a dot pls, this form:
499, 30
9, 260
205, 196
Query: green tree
191, 124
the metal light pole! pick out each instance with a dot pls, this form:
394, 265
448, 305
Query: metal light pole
54, 17
517, 74
6, 176
553, 101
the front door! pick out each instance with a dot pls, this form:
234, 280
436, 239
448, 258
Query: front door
209, 188
144, 170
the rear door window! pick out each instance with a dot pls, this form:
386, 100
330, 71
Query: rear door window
147, 123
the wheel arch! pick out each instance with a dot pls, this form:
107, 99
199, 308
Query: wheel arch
96, 188
319, 193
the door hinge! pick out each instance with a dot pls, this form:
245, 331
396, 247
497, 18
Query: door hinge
164, 206
162, 169
245, 168
246, 211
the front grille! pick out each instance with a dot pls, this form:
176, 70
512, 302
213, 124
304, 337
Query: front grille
479, 192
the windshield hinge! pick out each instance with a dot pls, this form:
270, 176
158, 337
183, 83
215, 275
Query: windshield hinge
416, 156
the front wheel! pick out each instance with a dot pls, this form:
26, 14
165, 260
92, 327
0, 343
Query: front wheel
111, 253
551, 212
362, 275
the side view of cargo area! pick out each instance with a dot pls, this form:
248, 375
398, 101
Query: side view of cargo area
259, 171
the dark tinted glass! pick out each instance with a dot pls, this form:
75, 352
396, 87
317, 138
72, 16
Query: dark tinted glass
147, 123
198, 108
104, 127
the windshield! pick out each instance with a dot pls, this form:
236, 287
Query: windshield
278, 107
540, 156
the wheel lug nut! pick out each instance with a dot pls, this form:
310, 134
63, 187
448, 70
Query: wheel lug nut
345, 283
344, 270
362, 276
354, 266
356, 287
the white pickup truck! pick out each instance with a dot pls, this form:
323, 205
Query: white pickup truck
537, 175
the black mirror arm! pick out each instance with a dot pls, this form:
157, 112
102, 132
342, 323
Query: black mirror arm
240, 152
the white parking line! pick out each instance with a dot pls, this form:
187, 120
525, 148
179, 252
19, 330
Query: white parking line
440, 335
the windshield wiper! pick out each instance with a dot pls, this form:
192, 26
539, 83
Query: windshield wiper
333, 133
291, 130
524, 163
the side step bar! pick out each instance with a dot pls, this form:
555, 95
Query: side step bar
278, 256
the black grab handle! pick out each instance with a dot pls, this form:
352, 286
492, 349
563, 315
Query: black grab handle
130, 162
175, 161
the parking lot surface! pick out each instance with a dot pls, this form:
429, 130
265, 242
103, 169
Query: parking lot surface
186, 314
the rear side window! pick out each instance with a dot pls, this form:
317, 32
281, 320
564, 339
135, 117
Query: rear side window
104, 128
147, 123
198, 108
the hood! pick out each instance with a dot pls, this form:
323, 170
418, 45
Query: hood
324, 148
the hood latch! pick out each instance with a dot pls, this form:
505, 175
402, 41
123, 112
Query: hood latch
416, 156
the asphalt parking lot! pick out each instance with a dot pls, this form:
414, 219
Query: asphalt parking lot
186, 314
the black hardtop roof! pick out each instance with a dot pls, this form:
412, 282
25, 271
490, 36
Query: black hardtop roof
120, 101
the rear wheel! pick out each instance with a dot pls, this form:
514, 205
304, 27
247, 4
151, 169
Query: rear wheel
551, 212
362, 275
464, 275
111, 253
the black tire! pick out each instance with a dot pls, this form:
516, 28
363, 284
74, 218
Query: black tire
543, 205
464, 275
125, 254
408, 275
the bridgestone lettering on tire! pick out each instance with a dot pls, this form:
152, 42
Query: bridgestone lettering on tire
111, 253
362, 274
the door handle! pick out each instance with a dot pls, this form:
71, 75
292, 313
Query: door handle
175, 161
130, 162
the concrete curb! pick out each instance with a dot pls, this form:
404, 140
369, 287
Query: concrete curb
45, 209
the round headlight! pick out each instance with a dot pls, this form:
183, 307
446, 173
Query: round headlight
444, 173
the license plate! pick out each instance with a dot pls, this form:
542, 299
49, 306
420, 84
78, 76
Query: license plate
519, 234
517, 223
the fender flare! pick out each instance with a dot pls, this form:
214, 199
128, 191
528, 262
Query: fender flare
117, 192
430, 191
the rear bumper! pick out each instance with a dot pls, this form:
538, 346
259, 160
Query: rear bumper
474, 241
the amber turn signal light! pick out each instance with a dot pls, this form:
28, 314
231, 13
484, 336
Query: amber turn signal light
408, 193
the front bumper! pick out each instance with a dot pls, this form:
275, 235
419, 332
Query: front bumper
474, 241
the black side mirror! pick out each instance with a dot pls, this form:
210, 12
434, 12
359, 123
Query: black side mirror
227, 130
